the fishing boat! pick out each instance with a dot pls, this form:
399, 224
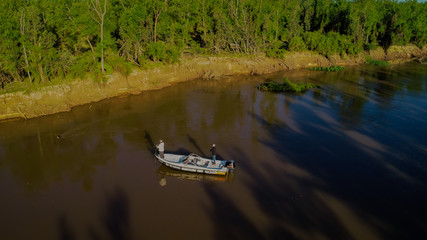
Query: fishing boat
164, 172
194, 163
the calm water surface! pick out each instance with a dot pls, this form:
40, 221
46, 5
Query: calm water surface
346, 161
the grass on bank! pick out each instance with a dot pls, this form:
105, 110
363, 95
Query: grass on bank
286, 86
372, 61
26, 86
114, 65
328, 69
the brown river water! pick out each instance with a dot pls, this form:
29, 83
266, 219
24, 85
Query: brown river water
345, 161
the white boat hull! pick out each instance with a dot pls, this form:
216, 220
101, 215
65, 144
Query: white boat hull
194, 163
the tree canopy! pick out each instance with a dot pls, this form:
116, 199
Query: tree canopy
43, 39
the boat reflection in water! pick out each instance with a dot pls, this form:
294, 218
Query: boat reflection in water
164, 171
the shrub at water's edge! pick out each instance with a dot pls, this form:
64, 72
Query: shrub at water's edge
372, 61
286, 86
328, 69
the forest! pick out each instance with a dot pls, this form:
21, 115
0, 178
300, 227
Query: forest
44, 40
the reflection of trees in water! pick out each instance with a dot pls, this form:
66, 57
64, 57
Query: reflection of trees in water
330, 185
294, 211
346, 91
228, 110
87, 139
268, 107
183, 112
327, 188
339, 183
38, 161
353, 88
359, 181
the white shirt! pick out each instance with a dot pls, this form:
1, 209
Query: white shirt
161, 147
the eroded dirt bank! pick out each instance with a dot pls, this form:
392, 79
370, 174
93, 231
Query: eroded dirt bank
60, 98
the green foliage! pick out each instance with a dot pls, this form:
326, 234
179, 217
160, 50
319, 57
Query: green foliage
44, 40
371, 61
275, 53
331, 43
297, 44
159, 51
328, 69
286, 86
119, 65
82, 65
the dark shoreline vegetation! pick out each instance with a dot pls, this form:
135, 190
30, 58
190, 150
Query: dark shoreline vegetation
286, 86
44, 41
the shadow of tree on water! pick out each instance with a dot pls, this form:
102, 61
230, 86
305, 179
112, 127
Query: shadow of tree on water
343, 194
115, 221
287, 206
195, 144
149, 141
65, 231
230, 222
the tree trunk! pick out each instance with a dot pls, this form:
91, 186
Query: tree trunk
99, 18
26, 63
41, 73
102, 42
91, 48
22, 30
156, 18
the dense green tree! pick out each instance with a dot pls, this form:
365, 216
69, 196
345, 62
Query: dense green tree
37, 42
10, 52
135, 33
98, 11
43, 39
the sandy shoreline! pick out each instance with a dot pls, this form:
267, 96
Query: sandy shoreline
61, 98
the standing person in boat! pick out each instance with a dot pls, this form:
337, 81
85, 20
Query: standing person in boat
213, 151
161, 148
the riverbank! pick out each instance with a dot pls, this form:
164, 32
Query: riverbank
63, 97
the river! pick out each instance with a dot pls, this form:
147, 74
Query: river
345, 161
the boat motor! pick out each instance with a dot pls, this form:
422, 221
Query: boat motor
230, 164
